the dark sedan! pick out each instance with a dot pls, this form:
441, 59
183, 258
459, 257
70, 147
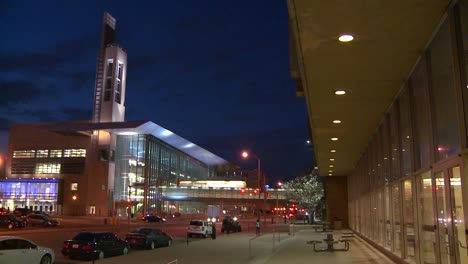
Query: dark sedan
11, 221
149, 238
41, 220
94, 245
153, 218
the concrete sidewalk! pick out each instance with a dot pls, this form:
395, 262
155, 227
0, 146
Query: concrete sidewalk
247, 248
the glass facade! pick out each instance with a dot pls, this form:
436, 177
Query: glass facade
417, 213
145, 167
38, 196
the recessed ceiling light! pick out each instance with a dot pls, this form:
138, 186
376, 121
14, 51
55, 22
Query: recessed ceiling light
330, 171
332, 159
336, 121
334, 138
346, 38
333, 150
329, 174
340, 92
331, 166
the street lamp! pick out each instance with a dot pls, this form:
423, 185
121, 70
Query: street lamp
277, 194
245, 155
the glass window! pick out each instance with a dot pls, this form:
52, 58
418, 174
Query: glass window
394, 138
24, 153
42, 153
405, 133
47, 168
443, 89
120, 71
388, 218
464, 52
408, 211
421, 116
426, 214
385, 150
396, 218
110, 66
56, 153
74, 153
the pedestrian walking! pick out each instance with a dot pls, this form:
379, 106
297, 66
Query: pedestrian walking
284, 218
257, 226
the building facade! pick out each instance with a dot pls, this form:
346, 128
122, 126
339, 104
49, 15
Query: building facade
407, 190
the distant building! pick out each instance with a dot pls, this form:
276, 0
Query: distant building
105, 165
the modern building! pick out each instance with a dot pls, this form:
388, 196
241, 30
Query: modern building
111, 167
385, 83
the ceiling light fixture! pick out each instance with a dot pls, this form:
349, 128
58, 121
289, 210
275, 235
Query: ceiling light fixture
331, 166
336, 121
340, 92
333, 150
332, 159
329, 174
346, 38
334, 138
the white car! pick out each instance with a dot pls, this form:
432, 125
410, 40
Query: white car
199, 227
22, 251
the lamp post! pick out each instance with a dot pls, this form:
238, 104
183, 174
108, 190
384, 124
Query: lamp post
277, 194
245, 155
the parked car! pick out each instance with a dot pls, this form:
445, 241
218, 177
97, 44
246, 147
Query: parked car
200, 228
149, 238
153, 218
22, 212
94, 245
4, 211
11, 221
42, 220
230, 225
42, 213
22, 251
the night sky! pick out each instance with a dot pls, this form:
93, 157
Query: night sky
214, 72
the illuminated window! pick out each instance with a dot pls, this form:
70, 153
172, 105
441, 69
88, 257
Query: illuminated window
24, 153
42, 153
74, 186
73, 153
47, 168
56, 153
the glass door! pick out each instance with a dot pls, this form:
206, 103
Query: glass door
450, 216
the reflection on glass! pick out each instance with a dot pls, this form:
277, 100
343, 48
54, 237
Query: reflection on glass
458, 216
396, 218
442, 218
409, 222
426, 214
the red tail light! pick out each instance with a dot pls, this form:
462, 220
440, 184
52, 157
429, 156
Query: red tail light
87, 247
66, 245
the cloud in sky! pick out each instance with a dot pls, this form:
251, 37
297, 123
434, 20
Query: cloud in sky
214, 72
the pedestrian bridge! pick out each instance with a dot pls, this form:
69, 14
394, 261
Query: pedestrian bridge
204, 193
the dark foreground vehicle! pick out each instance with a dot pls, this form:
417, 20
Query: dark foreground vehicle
11, 221
230, 225
148, 238
94, 245
153, 218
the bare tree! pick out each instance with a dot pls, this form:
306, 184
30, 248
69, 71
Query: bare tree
306, 190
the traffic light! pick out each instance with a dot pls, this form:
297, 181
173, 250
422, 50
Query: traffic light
242, 190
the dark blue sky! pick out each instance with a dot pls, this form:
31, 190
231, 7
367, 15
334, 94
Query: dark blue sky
213, 72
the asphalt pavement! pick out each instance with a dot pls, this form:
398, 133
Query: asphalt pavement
246, 247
